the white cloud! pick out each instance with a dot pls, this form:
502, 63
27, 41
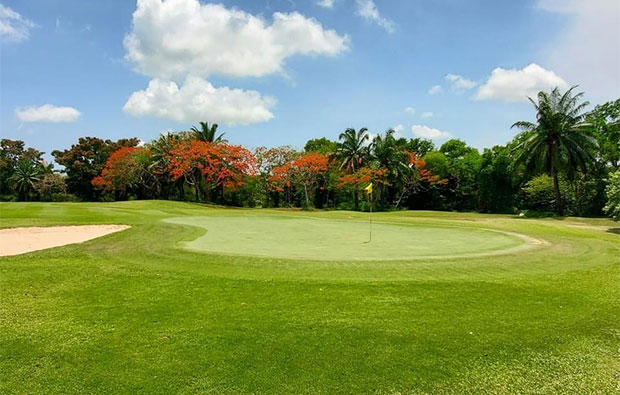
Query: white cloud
13, 27
47, 113
425, 132
460, 83
586, 50
516, 85
435, 89
368, 10
326, 3
410, 110
426, 115
177, 38
198, 99
398, 128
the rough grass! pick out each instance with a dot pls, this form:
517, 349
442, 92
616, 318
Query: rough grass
134, 313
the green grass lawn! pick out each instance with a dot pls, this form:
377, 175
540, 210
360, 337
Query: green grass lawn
461, 303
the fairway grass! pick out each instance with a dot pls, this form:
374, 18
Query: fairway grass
478, 309
291, 237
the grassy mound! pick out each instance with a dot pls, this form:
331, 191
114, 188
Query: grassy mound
325, 239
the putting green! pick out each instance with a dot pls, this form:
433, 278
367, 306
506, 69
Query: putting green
321, 239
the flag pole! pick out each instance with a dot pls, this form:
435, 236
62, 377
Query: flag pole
370, 217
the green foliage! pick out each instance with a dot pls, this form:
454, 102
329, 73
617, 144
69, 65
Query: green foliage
51, 187
496, 184
606, 124
540, 194
612, 208
322, 146
85, 160
25, 178
559, 140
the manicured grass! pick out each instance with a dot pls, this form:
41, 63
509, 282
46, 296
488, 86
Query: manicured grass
328, 239
136, 312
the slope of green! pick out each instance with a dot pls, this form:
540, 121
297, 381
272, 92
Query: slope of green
136, 312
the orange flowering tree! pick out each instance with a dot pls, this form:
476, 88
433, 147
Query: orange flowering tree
126, 168
362, 177
304, 171
216, 164
413, 176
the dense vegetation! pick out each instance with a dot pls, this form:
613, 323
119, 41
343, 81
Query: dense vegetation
566, 162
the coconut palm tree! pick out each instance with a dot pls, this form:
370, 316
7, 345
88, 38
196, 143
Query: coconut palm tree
559, 140
207, 133
353, 150
25, 178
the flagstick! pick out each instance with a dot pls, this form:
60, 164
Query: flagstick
370, 217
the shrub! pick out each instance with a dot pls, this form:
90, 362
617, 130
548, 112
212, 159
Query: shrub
613, 195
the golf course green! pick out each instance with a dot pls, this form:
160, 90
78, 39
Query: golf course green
326, 239
200, 299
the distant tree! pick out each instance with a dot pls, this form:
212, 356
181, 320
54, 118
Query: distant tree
207, 133
303, 171
612, 208
605, 120
353, 148
322, 146
362, 177
85, 160
420, 146
413, 177
126, 169
352, 152
219, 165
496, 181
51, 187
559, 139
25, 178
12, 152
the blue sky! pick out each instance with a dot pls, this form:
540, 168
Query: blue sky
429, 68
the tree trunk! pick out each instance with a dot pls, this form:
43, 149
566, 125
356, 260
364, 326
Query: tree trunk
306, 194
356, 200
556, 182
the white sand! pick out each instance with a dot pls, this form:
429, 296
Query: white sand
15, 241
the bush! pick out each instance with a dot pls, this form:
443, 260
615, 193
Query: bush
612, 191
540, 195
51, 186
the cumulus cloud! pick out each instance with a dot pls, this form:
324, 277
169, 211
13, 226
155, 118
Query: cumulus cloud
13, 27
459, 83
326, 3
176, 38
410, 110
426, 115
368, 10
586, 50
199, 99
426, 132
435, 89
47, 113
516, 85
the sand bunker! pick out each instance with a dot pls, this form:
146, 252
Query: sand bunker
15, 241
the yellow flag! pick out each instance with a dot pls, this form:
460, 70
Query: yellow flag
369, 188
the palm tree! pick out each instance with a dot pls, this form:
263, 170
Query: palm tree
25, 177
207, 134
353, 151
559, 139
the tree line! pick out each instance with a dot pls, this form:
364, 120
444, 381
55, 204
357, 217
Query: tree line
566, 162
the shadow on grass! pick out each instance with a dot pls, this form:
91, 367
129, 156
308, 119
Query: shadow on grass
614, 230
